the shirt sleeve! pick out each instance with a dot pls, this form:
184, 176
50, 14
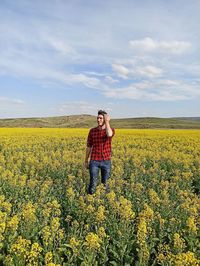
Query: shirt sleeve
89, 139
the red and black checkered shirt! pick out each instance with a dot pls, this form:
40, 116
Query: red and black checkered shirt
100, 144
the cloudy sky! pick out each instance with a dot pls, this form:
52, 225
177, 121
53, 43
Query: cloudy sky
134, 58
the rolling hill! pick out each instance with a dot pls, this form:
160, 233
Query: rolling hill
87, 121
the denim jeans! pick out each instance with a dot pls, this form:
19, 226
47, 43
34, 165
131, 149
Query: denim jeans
94, 167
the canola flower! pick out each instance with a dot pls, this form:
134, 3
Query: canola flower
21, 248
93, 241
46, 235
48, 258
2, 227
100, 214
70, 193
32, 257
142, 231
147, 213
192, 227
12, 223
74, 243
102, 233
28, 212
179, 243
90, 209
142, 234
150, 215
185, 259
153, 196
164, 254
125, 209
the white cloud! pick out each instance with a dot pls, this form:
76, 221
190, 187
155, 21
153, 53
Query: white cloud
39, 71
59, 44
93, 73
169, 83
71, 79
160, 90
129, 71
9, 101
148, 45
121, 71
80, 78
82, 107
110, 80
148, 71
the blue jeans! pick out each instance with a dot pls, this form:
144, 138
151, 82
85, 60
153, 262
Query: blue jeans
94, 167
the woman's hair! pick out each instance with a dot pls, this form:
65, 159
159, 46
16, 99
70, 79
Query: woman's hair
102, 112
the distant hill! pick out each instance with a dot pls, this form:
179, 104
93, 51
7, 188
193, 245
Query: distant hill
189, 118
88, 121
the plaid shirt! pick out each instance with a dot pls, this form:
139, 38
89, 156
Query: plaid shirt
100, 144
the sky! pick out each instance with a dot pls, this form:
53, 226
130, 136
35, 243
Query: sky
133, 58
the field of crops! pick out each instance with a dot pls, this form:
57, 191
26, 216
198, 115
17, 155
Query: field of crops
149, 216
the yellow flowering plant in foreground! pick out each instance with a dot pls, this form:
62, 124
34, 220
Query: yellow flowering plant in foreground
150, 216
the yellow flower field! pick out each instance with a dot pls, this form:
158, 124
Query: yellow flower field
150, 216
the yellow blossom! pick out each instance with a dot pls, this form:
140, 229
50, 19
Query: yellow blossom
32, 183
8, 260
153, 196
75, 223
164, 254
68, 218
32, 256
12, 224
141, 231
125, 209
147, 213
101, 232
70, 179
100, 215
48, 258
111, 196
192, 225
28, 212
185, 259
179, 243
55, 224
90, 198
46, 234
21, 247
74, 243
90, 209
70, 193
93, 241
6, 206
82, 203
138, 188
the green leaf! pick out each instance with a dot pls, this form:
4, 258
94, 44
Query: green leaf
115, 254
113, 263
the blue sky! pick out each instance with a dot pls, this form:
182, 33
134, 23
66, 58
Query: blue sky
131, 58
